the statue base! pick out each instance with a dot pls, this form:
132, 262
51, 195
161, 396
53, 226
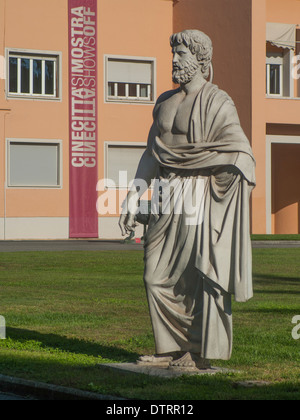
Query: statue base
164, 372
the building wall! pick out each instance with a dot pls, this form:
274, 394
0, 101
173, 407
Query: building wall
238, 32
283, 129
125, 28
258, 114
229, 27
35, 25
133, 32
141, 28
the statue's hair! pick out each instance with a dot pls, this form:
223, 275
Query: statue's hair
199, 44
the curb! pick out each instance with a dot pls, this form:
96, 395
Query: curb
44, 391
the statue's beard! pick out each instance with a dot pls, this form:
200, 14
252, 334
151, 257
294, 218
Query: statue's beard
183, 74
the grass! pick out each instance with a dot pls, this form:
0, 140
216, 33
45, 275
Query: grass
68, 312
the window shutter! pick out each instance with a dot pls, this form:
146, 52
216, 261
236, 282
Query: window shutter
122, 71
125, 159
33, 164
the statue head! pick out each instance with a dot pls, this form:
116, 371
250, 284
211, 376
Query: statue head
198, 55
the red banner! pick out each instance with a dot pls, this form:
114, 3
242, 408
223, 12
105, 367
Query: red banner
83, 118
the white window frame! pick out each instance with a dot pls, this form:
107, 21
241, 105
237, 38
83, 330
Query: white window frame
20, 54
109, 144
151, 93
274, 59
35, 141
287, 83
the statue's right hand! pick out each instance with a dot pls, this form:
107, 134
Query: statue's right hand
127, 223
129, 210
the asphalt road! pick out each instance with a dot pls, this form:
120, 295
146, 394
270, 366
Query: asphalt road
276, 244
102, 245
67, 245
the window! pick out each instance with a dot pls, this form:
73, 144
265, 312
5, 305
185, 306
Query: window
122, 162
33, 164
130, 80
32, 75
274, 74
279, 72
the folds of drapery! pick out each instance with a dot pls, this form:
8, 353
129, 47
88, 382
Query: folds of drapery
188, 313
217, 144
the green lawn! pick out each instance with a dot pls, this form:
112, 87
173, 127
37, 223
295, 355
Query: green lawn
68, 312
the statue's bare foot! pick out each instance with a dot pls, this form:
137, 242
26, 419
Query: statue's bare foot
190, 362
160, 360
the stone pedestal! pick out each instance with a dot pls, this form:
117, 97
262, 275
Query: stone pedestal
162, 372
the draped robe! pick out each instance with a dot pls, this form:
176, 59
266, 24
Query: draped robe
193, 269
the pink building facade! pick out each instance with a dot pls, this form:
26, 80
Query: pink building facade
78, 82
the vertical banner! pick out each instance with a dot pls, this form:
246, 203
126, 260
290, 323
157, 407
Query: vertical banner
83, 125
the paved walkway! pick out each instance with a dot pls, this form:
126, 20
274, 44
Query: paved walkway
12, 397
276, 244
102, 245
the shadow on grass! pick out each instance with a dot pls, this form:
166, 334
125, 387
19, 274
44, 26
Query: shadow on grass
268, 279
274, 284
277, 292
72, 345
132, 386
275, 311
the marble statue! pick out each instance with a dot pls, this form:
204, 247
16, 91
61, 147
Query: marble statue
194, 265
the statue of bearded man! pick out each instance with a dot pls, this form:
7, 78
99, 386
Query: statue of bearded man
197, 247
